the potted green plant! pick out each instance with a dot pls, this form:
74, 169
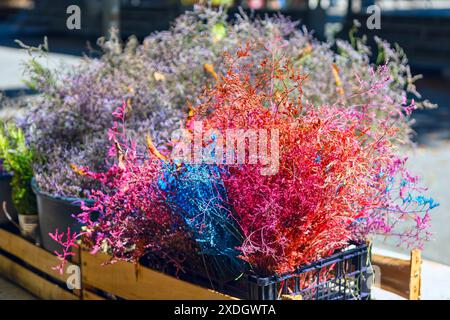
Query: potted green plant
10, 110
17, 159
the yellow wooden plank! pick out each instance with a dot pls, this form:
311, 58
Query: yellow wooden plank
130, 281
31, 254
397, 276
295, 297
33, 283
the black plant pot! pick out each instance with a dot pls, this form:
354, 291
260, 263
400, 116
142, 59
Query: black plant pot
5, 197
56, 213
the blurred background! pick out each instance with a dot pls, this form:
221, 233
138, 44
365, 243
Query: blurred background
421, 28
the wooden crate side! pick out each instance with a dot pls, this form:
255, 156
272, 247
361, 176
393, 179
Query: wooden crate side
33, 283
31, 254
130, 281
398, 276
89, 295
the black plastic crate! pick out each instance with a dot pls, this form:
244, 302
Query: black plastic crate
341, 276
